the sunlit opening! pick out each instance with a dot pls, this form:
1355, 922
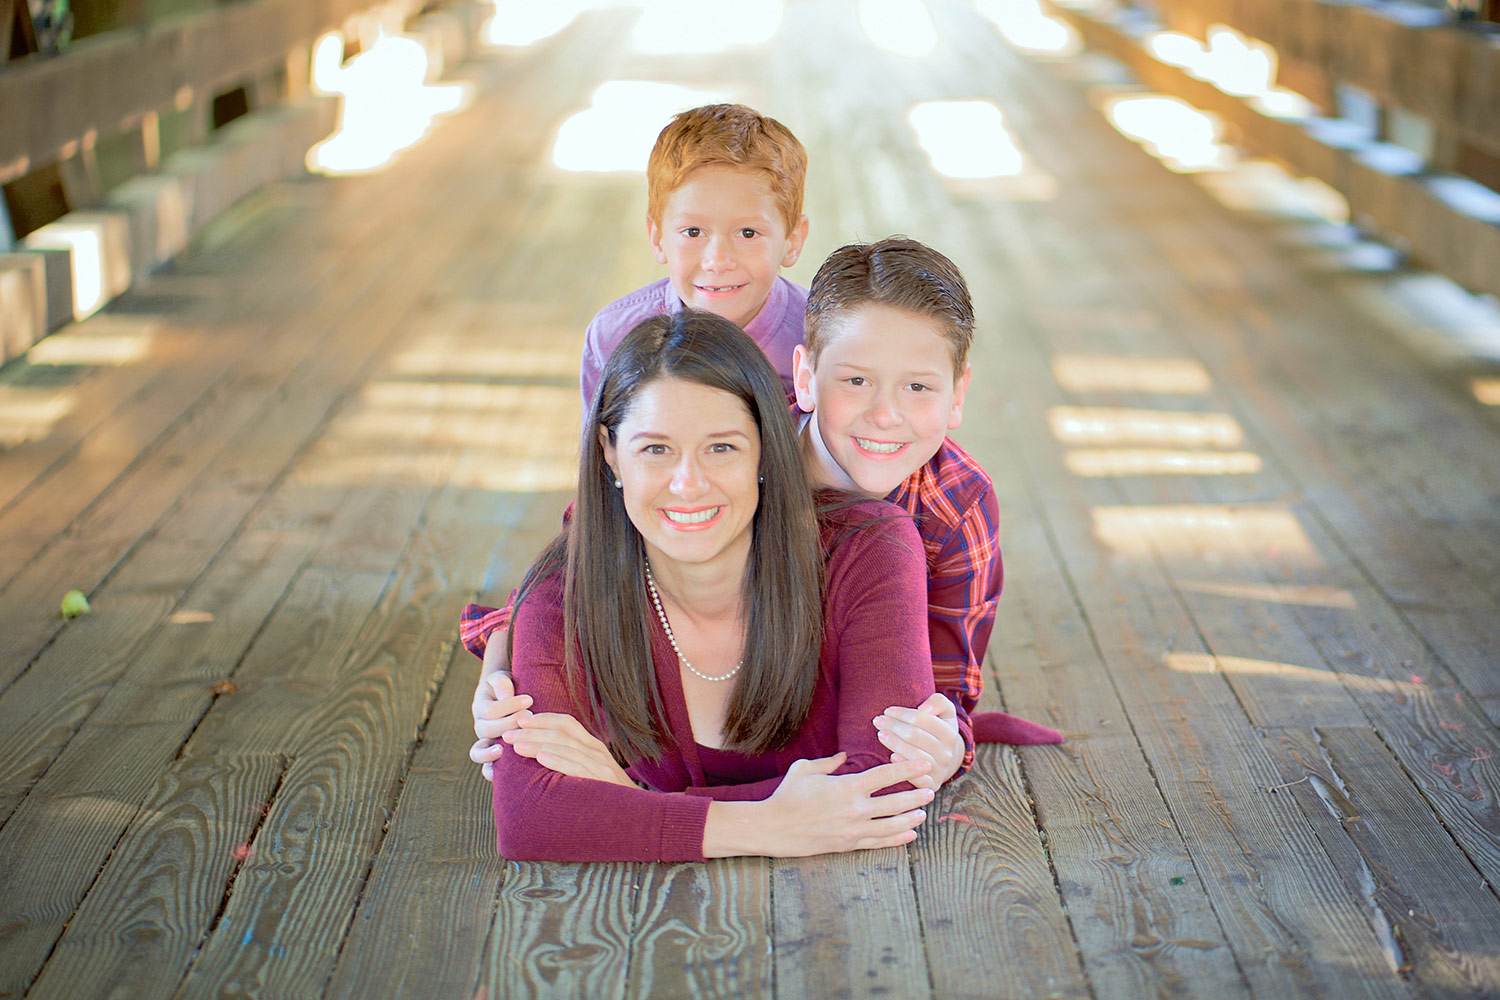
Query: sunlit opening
387, 104
1099, 425
85, 243
1487, 390
516, 23
1310, 596
1023, 24
327, 64
1467, 196
683, 27
1209, 531
966, 139
616, 132
900, 27
1160, 462
1233, 62
91, 349
29, 414
1161, 376
1178, 134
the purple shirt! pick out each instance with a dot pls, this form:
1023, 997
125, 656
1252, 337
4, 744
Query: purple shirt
777, 328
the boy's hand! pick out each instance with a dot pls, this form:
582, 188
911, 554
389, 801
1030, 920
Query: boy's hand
497, 710
928, 732
559, 743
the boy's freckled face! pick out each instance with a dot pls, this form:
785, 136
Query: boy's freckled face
724, 241
883, 394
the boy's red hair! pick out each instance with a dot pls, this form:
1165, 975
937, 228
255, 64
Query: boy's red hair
730, 135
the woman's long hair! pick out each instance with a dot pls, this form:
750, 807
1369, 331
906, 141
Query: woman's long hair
606, 611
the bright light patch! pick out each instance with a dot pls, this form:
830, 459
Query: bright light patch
1160, 462
1213, 532
90, 349
1098, 425
1160, 376
617, 130
1023, 24
1487, 390
190, 617
387, 105
900, 27
691, 27
1240, 666
518, 23
1178, 134
85, 244
966, 138
328, 63
29, 414
1309, 596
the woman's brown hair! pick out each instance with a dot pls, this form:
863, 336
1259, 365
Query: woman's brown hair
606, 612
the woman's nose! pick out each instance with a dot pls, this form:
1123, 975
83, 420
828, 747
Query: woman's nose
687, 478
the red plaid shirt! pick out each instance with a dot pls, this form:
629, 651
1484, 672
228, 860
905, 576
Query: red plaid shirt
953, 503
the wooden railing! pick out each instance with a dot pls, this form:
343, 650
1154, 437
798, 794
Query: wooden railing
1444, 76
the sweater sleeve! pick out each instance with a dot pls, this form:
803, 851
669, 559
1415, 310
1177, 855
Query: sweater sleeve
877, 603
541, 815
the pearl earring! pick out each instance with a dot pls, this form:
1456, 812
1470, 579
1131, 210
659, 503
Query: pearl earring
762, 478
619, 485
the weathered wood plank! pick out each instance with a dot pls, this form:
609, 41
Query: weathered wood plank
703, 930
992, 921
847, 925
561, 930
161, 889
1437, 918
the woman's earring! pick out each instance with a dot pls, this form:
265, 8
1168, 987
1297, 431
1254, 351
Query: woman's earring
619, 485
762, 478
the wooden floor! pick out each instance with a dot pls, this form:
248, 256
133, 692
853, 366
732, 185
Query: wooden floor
1251, 519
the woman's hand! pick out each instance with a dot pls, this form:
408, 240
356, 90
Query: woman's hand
815, 811
928, 732
560, 743
496, 709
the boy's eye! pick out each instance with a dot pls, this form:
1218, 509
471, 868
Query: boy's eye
749, 233
692, 232
856, 380
918, 387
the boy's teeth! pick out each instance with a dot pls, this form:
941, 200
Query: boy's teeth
879, 447
696, 517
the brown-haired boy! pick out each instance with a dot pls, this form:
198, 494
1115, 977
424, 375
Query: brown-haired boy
881, 380
724, 191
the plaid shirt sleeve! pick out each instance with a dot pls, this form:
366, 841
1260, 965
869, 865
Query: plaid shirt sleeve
964, 575
476, 623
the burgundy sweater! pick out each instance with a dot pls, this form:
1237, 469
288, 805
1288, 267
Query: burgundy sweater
875, 654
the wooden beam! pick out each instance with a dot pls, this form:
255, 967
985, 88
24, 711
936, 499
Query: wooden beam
108, 83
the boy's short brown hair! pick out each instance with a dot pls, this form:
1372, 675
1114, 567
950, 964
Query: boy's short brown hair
730, 135
897, 272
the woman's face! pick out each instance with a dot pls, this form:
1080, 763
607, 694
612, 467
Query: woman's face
688, 457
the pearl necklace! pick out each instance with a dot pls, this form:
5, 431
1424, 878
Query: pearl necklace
662, 614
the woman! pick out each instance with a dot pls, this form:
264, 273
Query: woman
702, 622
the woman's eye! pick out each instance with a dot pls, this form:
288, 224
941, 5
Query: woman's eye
721, 448
655, 449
